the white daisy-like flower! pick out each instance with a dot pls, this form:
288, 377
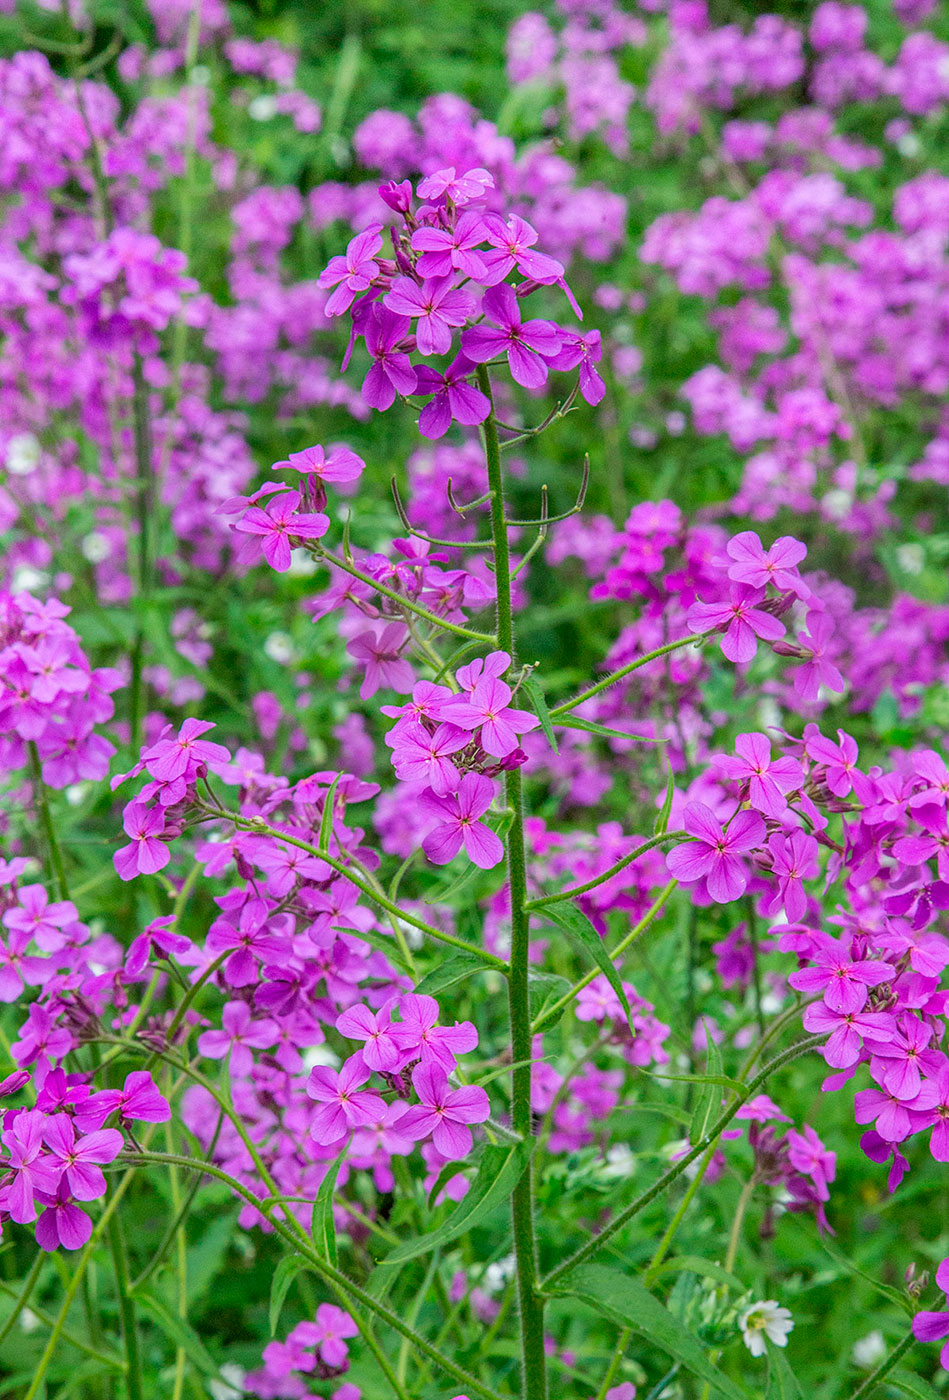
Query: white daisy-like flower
765, 1320
869, 1350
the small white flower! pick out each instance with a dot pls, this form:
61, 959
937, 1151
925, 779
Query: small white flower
95, 547
26, 579
28, 1320
620, 1162
315, 1055
868, 1350
76, 793
262, 108
279, 647
230, 1386
497, 1274
23, 454
763, 1320
909, 145
911, 558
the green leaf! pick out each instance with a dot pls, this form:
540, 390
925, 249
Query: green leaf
913, 1385
662, 821
625, 1301
284, 1274
577, 927
587, 725
693, 1264
384, 942
535, 694
455, 968
892, 1295
722, 1079
707, 1101
449, 1170
322, 1224
326, 821
499, 1171
782, 1382
178, 1331
543, 989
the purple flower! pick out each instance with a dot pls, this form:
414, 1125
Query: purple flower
381, 1049
585, 351
808, 1155
62, 1222
715, 854
767, 780
251, 940
756, 567
138, 1101
459, 825
169, 759
444, 1113
392, 372
460, 189
933, 1326
420, 756
420, 1036
741, 620
383, 662
817, 669
341, 464
437, 305
847, 1030
524, 342
33, 1170
277, 522
80, 1159
511, 245
454, 398
896, 1063
239, 1034
352, 272
343, 1103
145, 854
915, 850
843, 979
793, 859
488, 707
445, 251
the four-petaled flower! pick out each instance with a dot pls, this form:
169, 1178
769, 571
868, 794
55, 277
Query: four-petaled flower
527, 344
459, 825
444, 1113
715, 854
277, 523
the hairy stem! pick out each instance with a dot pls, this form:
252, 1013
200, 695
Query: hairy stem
884, 1368
533, 1358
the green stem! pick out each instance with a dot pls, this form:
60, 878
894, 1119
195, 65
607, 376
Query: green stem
24, 1295
337, 1280
57, 871
133, 1372
145, 515
884, 1368
533, 1357
734, 1238
662, 1248
613, 870
261, 828
667, 1178
324, 554
625, 671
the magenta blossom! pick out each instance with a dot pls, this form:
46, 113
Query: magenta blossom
511, 244
238, 1036
33, 1170
793, 860
488, 708
352, 272
768, 780
436, 305
392, 372
583, 351
527, 344
81, 1158
454, 398
933, 1326
758, 567
460, 189
420, 756
340, 464
445, 251
146, 853
420, 1036
847, 1031
343, 1103
169, 759
715, 855
381, 1048
741, 620
62, 1223
817, 669
444, 1113
843, 979
138, 1101
380, 653
459, 825
277, 523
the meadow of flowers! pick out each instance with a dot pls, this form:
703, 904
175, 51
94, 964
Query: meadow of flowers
474, 638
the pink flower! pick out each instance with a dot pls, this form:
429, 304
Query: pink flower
444, 1113
381, 1049
460, 189
817, 669
352, 272
239, 1034
842, 978
391, 372
808, 1155
340, 465
419, 756
343, 1103
793, 859
741, 620
251, 939
767, 779
445, 251
33, 1170
715, 853
138, 1101
757, 567
277, 522
459, 825
933, 1326
511, 245
847, 1030
454, 398
79, 1159
525, 343
437, 305
838, 761
384, 665
145, 854
62, 1223
329, 1333
897, 1061
169, 759
488, 707
420, 1036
